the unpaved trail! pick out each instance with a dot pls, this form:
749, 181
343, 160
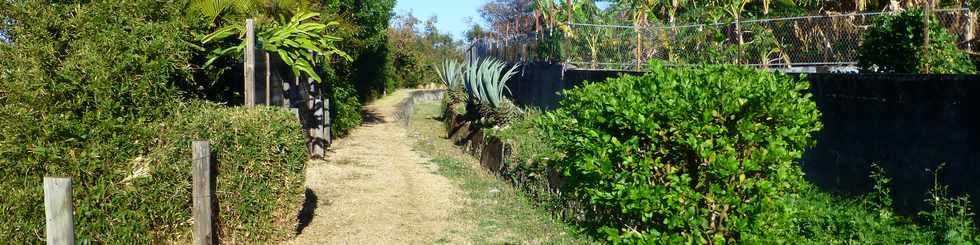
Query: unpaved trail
374, 189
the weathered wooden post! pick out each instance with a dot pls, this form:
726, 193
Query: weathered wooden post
326, 121
268, 79
249, 63
58, 211
926, 17
971, 28
202, 193
314, 104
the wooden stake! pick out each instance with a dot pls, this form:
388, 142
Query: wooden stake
58, 211
202, 193
926, 14
268, 78
971, 28
249, 63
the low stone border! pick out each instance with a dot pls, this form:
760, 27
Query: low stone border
406, 107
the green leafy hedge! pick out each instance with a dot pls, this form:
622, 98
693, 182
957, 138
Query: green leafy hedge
144, 195
684, 155
93, 91
894, 45
260, 157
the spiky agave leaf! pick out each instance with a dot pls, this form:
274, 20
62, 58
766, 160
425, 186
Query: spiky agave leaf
494, 81
472, 77
450, 74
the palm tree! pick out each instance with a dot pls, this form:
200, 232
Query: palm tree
218, 12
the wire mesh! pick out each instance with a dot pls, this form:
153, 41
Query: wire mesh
806, 41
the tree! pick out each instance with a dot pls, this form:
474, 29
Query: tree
371, 70
417, 47
895, 45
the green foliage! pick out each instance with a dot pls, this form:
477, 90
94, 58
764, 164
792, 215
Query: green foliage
366, 40
74, 99
894, 45
816, 217
417, 46
292, 40
684, 155
451, 74
486, 80
260, 156
216, 13
345, 109
820, 218
951, 220
92, 91
410, 69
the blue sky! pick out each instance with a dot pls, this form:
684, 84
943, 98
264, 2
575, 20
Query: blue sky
451, 13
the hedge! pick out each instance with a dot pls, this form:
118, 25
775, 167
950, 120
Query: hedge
92, 91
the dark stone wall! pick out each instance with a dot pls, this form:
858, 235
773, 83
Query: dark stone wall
907, 124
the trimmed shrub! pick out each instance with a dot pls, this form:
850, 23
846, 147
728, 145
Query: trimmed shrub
91, 91
684, 155
260, 157
894, 45
144, 196
80, 84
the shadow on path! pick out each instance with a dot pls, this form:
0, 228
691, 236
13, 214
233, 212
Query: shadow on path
306, 214
371, 117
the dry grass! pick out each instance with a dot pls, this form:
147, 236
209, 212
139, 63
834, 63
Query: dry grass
373, 189
501, 214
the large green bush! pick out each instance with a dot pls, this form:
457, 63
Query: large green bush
91, 91
684, 155
894, 45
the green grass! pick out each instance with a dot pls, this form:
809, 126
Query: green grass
500, 213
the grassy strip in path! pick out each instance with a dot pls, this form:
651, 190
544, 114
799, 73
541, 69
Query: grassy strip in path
499, 213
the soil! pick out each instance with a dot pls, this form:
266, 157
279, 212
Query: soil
374, 189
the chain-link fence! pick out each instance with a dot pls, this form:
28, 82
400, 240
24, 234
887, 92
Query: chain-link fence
807, 41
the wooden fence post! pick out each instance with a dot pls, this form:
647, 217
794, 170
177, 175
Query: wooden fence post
926, 17
326, 120
249, 63
268, 77
971, 28
58, 211
202, 193
314, 106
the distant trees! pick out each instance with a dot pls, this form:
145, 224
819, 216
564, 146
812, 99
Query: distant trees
417, 46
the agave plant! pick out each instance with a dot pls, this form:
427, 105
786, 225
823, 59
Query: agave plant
473, 79
451, 74
494, 81
486, 80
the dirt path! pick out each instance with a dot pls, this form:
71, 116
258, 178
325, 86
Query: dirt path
373, 189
